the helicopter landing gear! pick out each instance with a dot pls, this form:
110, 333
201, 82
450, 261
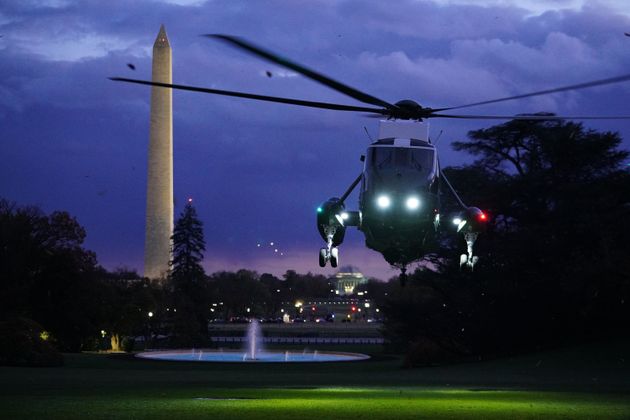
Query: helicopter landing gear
323, 257
332, 256
469, 259
330, 252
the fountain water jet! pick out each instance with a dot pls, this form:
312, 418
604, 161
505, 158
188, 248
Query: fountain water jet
253, 353
254, 340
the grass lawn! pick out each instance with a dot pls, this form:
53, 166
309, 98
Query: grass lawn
585, 382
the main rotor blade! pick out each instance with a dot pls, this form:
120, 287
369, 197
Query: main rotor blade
529, 117
311, 104
611, 80
327, 81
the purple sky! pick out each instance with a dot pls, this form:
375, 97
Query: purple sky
72, 140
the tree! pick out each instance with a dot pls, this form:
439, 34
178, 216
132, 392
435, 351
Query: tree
47, 275
239, 291
188, 248
188, 279
554, 265
129, 300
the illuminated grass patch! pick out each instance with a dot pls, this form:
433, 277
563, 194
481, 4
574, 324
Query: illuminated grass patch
102, 387
337, 403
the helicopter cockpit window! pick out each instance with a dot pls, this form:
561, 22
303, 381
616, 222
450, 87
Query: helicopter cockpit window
382, 157
401, 157
397, 157
422, 159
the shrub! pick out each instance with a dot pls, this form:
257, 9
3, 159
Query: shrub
23, 342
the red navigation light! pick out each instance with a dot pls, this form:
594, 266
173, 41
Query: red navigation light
483, 217
354, 309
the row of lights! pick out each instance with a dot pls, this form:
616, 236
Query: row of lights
384, 202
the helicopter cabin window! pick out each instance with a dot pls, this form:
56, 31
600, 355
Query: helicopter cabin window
383, 158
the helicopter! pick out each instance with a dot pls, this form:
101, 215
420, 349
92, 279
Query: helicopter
399, 210
399, 201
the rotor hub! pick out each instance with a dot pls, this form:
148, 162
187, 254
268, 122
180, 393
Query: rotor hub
410, 110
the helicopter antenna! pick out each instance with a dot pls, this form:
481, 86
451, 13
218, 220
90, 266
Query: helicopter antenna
438, 137
368, 133
450, 187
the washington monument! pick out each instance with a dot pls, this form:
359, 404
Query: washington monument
159, 223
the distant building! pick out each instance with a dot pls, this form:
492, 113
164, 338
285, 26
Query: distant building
347, 280
349, 303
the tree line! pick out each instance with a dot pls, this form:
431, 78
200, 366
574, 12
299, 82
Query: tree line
56, 289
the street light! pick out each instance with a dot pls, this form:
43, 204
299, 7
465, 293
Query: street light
150, 335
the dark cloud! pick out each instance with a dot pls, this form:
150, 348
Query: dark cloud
74, 140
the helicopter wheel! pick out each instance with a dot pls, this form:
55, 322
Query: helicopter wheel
334, 257
322, 257
474, 262
463, 259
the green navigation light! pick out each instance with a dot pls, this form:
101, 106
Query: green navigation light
319, 210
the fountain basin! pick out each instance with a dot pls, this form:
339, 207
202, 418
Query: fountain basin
244, 357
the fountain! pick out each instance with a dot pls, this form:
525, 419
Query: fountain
254, 352
254, 340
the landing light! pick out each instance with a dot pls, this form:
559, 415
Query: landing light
345, 215
457, 221
383, 201
412, 203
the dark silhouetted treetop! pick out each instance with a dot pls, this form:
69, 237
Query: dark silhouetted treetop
188, 247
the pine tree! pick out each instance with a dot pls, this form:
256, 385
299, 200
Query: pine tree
190, 323
188, 247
